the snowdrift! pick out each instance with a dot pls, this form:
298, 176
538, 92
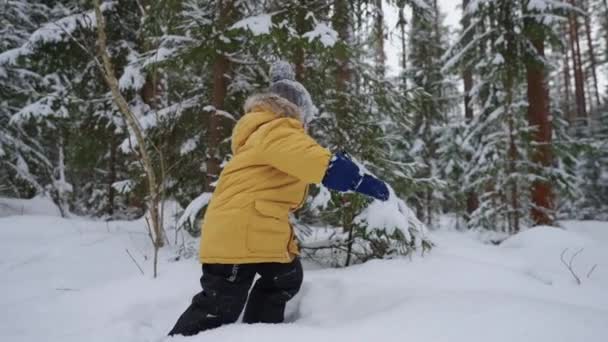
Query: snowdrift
37, 206
72, 280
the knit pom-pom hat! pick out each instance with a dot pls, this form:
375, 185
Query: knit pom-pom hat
284, 84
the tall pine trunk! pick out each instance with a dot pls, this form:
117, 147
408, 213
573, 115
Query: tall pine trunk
218, 95
379, 37
343, 76
570, 114
402, 23
467, 76
605, 23
111, 174
591, 51
299, 53
340, 24
509, 53
539, 118
579, 78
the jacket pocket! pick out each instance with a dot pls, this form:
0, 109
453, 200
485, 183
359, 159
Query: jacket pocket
268, 231
272, 209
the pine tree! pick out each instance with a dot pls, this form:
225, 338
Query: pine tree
427, 47
539, 118
25, 170
585, 5
505, 164
577, 65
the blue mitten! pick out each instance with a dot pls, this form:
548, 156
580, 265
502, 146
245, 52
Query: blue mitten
342, 174
373, 187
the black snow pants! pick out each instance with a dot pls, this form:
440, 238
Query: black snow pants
225, 289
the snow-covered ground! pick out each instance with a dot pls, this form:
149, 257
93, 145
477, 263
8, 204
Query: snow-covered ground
72, 280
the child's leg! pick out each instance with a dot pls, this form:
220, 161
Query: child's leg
224, 294
277, 285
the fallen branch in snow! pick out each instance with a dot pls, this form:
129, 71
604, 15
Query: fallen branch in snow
570, 267
135, 262
569, 263
591, 271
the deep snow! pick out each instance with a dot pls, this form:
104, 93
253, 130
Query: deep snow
72, 280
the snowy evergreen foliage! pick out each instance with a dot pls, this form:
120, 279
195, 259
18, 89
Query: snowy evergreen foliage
592, 170
430, 98
24, 167
498, 139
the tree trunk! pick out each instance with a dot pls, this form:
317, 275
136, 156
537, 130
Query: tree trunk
379, 37
347, 226
299, 55
591, 51
436, 26
340, 24
60, 184
605, 23
111, 175
218, 95
107, 68
402, 23
429, 207
539, 117
220, 67
579, 85
571, 115
510, 55
467, 76
514, 212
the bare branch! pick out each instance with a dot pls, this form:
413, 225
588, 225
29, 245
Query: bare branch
569, 264
135, 262
155, 226
591, 271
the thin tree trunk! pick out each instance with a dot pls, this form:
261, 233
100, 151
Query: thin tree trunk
506, 21
592, 58
402, 25
514, 212
299, 55
111, 175
429, 207
60, 183
467, 76
436, 28
605, 23
219, 90
347, 224
379, 36
220, 67
571, 115
539, 117
155, 227
579, 85
340, 23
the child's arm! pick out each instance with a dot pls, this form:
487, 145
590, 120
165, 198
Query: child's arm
292, 151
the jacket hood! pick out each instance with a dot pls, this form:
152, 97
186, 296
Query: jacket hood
260, 109
269, 102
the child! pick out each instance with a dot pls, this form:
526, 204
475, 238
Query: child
246, 229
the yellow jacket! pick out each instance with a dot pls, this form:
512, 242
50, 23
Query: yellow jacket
273, 162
